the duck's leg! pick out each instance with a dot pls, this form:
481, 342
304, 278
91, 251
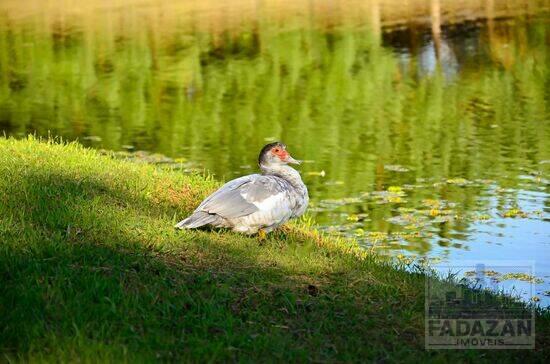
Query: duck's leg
262, 234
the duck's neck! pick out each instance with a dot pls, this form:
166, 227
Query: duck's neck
284, 171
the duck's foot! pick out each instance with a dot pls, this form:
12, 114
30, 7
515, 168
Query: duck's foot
262, 235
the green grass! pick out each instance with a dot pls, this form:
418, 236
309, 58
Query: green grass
92, 269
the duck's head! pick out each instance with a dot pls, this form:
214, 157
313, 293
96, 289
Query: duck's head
275, 154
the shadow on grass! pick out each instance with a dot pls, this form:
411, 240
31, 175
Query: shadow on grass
83, 264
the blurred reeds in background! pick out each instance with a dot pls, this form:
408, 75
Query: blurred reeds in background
219, 16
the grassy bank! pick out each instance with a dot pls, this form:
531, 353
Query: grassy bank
91, 268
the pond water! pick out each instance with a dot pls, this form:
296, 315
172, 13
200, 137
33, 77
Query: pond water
416, 145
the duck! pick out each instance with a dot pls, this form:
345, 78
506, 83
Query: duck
256, 203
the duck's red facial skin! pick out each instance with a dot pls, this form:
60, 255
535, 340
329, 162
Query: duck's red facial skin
281, 153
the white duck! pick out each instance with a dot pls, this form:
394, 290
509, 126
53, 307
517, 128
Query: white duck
257, 203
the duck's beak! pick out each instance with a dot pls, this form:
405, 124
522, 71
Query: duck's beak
291, 160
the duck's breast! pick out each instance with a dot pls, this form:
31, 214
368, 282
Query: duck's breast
274, 203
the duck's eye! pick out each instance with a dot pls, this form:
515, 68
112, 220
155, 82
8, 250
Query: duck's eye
276, 150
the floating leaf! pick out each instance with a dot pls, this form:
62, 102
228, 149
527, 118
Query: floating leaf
431, 203
458, 181
404, 259
395, 168
377, 236
488, 273
353, 218
520, 277
504, 277
482, 217
93, 138
514, 212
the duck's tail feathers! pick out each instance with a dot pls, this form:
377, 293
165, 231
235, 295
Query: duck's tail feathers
198, 219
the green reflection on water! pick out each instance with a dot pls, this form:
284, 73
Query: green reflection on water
467, 131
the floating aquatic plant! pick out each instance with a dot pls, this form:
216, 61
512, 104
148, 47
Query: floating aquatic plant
488, 273
520, 277
514, 212
458, 181
405, 259
93, 138
481, 217
499, 277
395, 189
396, 168
431, 203
356, 217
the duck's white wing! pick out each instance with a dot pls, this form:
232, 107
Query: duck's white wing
244, 196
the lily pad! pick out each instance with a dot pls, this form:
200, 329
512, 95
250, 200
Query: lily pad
524, 277
458, 181
514, 212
